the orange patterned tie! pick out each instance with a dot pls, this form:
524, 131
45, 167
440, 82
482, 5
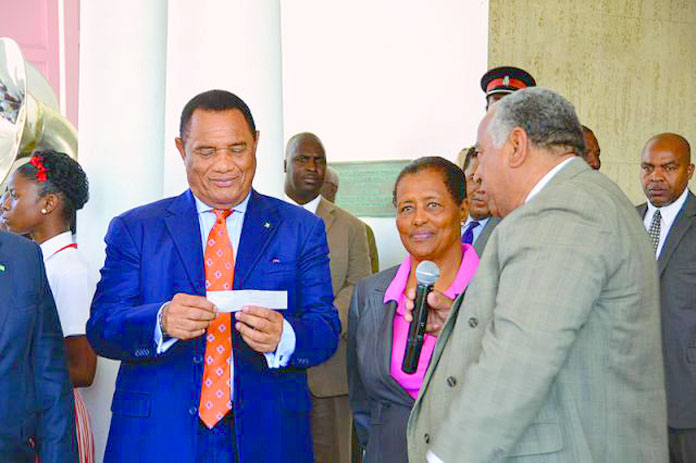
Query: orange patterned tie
219, 273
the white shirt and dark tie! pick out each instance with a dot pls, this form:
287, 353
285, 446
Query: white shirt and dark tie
662, 222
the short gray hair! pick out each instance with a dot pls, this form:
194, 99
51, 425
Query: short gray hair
548, 119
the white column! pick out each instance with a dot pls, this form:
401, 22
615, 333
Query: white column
121, 111
233, 45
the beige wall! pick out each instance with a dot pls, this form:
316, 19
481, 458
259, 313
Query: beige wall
628, 66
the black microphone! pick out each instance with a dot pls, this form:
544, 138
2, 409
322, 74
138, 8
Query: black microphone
427, 274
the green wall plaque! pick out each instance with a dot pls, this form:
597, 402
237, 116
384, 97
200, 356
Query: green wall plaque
365, 188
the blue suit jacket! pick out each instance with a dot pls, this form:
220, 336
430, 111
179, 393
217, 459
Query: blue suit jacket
154, 252
36, 397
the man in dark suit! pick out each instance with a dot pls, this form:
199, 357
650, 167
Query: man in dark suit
480, 224
239, 393
670, 218
305, 168
36, 400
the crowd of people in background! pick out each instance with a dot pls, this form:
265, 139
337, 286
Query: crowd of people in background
560, 326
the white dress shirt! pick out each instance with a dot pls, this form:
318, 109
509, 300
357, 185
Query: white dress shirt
667, 216
234, 223
477, 230
71, 281
310, 206
430, 456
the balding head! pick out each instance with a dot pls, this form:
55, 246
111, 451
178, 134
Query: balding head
330, 186
666, 168
305, 166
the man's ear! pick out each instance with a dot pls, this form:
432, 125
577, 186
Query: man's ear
180, 146
519, 143
690, 170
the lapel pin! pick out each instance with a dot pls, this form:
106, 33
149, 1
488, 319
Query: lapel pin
2, 267
267, 225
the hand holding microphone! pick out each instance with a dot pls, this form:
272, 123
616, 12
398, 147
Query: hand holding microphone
427, 274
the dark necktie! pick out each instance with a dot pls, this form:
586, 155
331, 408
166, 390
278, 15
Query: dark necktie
654, 230
468, 236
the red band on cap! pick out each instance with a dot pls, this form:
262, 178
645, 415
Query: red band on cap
501, 83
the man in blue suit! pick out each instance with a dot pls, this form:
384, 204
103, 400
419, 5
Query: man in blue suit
173, 400
36, 400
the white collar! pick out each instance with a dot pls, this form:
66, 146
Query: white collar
311, 206
546, 179
669, 213
481, 222
203, 207
55, 244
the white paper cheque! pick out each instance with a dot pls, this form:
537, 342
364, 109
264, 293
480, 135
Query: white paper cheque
233, 301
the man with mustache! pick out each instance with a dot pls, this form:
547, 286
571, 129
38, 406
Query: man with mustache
480, 224
305, 168
670, 218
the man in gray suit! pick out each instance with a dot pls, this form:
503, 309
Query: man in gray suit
670, 218
480, 224
305, 168
554, 355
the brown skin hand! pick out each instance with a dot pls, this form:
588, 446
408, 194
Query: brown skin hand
82, 362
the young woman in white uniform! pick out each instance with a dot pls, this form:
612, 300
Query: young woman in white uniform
42, 198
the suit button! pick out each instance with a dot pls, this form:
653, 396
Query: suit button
451, 381
426, 437
473, 322
197, 359
193, 411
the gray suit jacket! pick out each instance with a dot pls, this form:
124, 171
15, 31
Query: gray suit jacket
554, 355
482, 239
677, 270
379, 404
349, 262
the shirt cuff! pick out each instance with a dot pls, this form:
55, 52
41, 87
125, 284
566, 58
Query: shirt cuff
430, 457
161, 344
285, 349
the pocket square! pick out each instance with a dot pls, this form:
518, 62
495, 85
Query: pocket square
275, 260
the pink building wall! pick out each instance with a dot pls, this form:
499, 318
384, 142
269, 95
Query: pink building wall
35, 26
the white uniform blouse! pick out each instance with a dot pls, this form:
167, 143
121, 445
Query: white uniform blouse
71, 282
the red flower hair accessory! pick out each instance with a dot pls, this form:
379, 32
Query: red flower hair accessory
41, 172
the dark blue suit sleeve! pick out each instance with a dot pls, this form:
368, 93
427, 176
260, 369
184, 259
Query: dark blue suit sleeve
317, 325
120, 326
55, 433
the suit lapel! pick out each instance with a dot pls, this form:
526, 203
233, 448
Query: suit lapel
184, 229
261, 222
383, 321
684, 221
326, 211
